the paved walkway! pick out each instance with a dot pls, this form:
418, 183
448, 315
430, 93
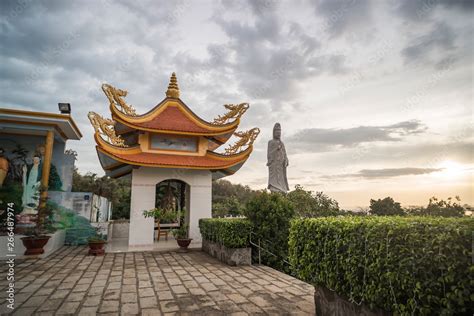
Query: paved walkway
152, 283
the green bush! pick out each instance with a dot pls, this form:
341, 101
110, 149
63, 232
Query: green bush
230, 232
312, 204
406, 265
270, 215
230, 206
385, 207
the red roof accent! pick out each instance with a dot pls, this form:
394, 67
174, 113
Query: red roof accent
206, 162
173, 119
172, 116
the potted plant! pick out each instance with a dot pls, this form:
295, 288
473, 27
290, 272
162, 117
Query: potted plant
96, 245
161, 216
181, 235
34, 241
36, 238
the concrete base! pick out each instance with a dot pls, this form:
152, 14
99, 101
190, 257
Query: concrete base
328, 303
117, 245
118, 229
230, 256
54, 243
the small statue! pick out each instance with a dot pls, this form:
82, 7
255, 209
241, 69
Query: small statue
3, 167
31, 186
277, 161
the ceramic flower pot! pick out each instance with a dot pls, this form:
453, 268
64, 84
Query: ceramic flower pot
184, 242
96, 248
34, 244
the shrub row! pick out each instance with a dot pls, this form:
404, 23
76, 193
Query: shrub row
270, 215
230, 232
406, 265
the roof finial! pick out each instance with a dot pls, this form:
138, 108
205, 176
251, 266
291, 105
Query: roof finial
173, 90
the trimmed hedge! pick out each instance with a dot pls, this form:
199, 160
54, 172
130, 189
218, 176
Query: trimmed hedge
270, 215
406, 265
230, 232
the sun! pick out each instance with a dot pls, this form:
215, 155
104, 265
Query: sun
451, 169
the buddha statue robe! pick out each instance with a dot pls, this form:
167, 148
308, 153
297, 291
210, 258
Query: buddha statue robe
277, 162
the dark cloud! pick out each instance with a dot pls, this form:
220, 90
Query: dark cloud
419, 10
341, 16
395, 172
56, 50
322, 139
385, 173
437, 32
266, 56
440, 39
262, 7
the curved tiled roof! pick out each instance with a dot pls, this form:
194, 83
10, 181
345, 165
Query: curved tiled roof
172, 116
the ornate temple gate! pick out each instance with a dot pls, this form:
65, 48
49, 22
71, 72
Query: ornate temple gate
168, 142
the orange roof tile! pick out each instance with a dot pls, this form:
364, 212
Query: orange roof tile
211, 161
172, 116
173, 119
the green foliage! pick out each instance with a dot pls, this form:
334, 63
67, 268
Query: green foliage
116, 191
270, 215
11, 193
307, 204
162, 215
96, 238
181, 232
386, 206
55, 183
230, 206
230, 232
78, 228
229, 199
49, 224
170, 195
448, 208
406, 265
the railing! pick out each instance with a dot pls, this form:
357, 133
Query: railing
264, 248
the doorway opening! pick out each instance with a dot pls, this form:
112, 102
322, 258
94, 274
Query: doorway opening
172, 197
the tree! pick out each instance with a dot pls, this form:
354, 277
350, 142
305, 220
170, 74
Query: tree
307, 204
117, 191
229, 198
449, 208
230, 206
385, 207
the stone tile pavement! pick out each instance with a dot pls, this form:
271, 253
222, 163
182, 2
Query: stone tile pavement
151, 283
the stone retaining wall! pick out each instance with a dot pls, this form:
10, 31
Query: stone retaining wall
230, 256
328, 303
118, 229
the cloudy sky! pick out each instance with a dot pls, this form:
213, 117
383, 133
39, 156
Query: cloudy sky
374, 97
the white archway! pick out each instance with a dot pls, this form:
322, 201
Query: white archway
144, 182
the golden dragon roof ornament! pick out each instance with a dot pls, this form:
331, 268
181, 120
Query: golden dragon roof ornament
235, 112
105, 127
173, 89
246, 139
115, 98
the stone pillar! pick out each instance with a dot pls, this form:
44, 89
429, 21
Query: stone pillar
141, 229
48, 153
200, 206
